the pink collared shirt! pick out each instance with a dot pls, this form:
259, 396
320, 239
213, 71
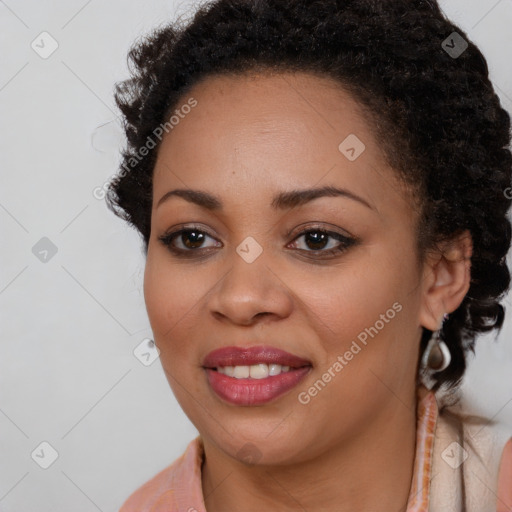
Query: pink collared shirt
178, 487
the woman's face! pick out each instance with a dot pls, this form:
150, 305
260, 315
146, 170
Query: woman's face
258, 271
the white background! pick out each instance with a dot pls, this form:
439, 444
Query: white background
69, 326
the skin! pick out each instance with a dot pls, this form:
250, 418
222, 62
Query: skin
249, 138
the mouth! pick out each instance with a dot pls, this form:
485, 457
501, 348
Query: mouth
265, 355
255, 375
255, 371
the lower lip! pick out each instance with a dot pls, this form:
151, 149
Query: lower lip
254, 391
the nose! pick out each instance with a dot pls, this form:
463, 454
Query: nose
250, 292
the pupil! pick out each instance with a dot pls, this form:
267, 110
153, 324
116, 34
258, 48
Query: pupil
315, 239
192, 234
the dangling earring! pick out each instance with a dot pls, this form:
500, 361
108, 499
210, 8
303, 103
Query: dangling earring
436, 357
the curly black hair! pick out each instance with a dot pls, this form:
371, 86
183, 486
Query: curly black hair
435, 113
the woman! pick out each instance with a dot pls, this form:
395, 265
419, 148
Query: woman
321, 191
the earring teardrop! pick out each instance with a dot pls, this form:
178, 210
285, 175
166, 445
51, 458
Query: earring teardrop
439, 357
436, 358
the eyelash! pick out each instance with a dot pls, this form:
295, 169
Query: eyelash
346, 242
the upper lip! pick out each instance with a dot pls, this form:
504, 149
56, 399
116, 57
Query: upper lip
247, 356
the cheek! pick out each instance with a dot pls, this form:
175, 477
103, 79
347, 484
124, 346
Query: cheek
171, 304
159, 294
364, 311
352, 298
169, 299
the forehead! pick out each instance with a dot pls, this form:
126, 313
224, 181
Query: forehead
262, 131
272, 103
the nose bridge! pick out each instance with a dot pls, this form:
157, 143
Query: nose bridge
248, 279
250, 286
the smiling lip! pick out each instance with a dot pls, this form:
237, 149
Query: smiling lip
246, 392
247, 356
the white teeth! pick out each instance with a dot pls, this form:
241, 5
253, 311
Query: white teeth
228, 370
241, 372
258, 371
255, 371
274, 369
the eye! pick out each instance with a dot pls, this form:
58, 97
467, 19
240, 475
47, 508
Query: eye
189, 242
186, 240
323, 242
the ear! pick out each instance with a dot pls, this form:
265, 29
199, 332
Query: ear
446, 279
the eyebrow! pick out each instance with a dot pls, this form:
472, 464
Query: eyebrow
282, 201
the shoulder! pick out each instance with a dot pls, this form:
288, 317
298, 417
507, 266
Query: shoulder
483, 436
181, 476
505, 479
145, 497
484, 452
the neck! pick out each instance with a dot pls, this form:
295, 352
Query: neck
371, 471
